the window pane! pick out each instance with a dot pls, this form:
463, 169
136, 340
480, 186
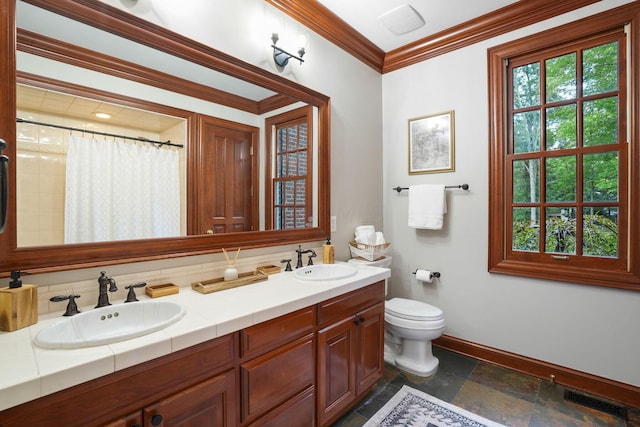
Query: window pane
560, 230
292, 133
600, 121
302, 163
561, 179
289, 193
288, 218
600, 180
278, 194
282, 140
600, 69
277, 218
600, 231
302, 129
526, 230
561, 77
526, 85
526, 132
301, 218
561, 127
281, 166
292, 164
526, 181
300, 191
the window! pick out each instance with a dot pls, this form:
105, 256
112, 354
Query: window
290, 177
561, 194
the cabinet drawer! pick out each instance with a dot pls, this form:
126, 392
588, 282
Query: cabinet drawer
298, 411
208, 404
275, 377
259, 339
348, 304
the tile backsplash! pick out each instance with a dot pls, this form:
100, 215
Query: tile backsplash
181, 276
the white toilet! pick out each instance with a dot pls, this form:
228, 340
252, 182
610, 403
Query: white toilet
410, 326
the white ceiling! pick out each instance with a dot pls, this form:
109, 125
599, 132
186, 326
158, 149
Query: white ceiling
438, 15
42, 101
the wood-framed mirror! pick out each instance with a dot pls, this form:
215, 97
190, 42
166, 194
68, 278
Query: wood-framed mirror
278, 94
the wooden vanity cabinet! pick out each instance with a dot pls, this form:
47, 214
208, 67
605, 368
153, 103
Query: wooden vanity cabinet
304, 368
350, 349
130, 396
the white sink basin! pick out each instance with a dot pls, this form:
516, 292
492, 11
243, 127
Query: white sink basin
325, 272
110, 324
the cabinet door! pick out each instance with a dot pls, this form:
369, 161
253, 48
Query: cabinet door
208, 404
336, 368
370, 347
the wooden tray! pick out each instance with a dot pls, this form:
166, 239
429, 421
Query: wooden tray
269, 269
219, 284
155, 291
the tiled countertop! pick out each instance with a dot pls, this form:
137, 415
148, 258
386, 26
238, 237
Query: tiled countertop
28, 372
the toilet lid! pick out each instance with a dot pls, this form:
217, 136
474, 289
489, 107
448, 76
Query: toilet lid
412, 310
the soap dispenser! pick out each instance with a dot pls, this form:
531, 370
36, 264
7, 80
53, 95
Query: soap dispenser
18, 304
327, 253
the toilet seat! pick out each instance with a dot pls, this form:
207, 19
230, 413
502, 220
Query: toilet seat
412, 310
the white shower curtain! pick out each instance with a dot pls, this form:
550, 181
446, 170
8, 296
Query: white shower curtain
117, 191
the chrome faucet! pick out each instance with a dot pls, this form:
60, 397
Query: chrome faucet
103, 281
299, 251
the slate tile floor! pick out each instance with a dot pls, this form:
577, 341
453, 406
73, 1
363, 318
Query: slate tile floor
501, 395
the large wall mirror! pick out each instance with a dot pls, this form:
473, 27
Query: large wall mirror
238, 157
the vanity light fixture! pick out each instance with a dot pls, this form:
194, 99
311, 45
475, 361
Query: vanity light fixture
281, 56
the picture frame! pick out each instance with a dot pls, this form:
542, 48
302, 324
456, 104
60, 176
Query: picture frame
432, 143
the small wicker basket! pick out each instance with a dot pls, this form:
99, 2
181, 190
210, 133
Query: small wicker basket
368, 252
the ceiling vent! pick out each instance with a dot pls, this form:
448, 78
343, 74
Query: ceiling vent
401, 20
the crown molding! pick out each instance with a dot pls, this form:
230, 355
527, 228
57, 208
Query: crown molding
500, 21
325, 23
313, 15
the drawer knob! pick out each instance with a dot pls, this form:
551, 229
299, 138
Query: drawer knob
156, 420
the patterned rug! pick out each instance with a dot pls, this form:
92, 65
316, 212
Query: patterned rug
414, 408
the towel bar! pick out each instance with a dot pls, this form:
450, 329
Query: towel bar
463, 186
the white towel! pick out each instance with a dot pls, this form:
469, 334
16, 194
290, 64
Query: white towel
366, 234
427, 205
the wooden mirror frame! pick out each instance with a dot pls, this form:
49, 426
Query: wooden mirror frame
73, 256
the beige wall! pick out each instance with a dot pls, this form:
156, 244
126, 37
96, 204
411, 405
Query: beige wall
587, 328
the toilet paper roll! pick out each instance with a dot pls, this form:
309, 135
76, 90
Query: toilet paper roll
424, 276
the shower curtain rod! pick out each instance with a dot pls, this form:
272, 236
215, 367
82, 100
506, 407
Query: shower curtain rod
94, 132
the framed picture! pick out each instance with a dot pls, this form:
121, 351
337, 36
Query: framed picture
431, 144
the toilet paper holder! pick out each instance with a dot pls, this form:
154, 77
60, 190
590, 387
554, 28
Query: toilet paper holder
433, 274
